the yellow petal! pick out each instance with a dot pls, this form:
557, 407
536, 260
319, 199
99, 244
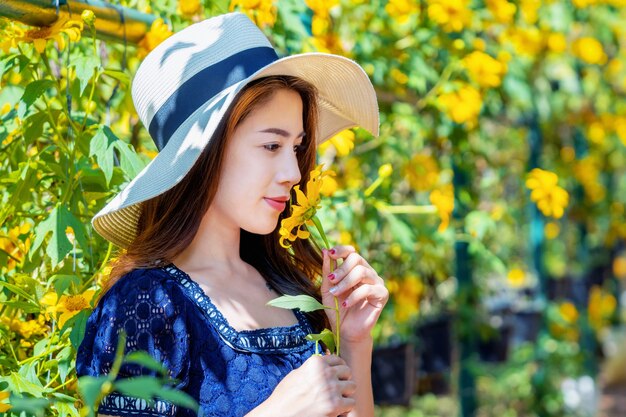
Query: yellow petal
40, 45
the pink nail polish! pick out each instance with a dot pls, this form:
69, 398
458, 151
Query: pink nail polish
332, 251
331, 276
344, 304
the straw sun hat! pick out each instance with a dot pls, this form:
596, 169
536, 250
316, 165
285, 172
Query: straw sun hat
184, 87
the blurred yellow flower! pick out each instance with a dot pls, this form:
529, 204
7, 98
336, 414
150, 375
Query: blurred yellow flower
516, 278
619, 267
9, 36
462, 105
88, 17
159, 31
587, 172
452, 15
551, 230
26, 328
4, 407
399, 76
601, 307
407, 298
557, 42
502, 10
321, 7
14, 246
329, 186
422, 172
63, 26
568, 154
189, 7
589, 50
526, 41
568, 312
443, 200
551, 199
529, 10
483, 69
343, 142
67, 306
402, 10
306, 206
264, 15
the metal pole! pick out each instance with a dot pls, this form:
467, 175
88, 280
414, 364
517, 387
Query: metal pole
113, 23
467, 297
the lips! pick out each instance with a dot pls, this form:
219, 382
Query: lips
277, 203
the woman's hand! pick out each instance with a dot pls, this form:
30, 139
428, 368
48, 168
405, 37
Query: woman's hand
321, 387
360, 291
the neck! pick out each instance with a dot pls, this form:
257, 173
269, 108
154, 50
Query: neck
216, 244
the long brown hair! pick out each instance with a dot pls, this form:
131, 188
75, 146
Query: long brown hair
169, 222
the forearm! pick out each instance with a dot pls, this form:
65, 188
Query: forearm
359, 359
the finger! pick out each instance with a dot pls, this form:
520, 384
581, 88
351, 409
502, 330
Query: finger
376, 296
351, 261
343, 372
358, 275
348, 388
333, 360
341, 251
345, 405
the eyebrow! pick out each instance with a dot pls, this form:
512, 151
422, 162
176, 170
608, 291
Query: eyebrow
281, 132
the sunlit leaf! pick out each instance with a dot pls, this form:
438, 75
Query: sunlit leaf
305, 303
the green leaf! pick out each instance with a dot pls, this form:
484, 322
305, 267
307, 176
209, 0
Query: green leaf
85, 68
21, 384
402, 233
79, 322
130, 162
144, 387
326, 336
303, 302
26, 307
145, 360
101, 147
62, 282
16, 290
30, 406
120, 76
33, 91
64, 357
58, 245
89, 388
178, 397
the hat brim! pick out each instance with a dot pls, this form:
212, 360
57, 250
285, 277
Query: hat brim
346, 98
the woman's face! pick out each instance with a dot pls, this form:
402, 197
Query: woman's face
260, 165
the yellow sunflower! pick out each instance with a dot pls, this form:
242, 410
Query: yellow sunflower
62, 27
67, 306
305, 208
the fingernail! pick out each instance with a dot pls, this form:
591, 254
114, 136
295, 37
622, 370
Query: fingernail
333, 290
331, 276
332, 251
344, 304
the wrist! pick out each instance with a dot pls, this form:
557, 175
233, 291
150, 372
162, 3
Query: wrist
361, 348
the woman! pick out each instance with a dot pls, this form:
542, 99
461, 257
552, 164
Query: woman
237, 129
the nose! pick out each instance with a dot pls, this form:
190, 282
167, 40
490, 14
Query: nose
289, 171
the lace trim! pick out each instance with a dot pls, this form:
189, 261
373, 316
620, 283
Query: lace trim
286, 339
120, 405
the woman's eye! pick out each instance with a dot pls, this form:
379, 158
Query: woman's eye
272, 147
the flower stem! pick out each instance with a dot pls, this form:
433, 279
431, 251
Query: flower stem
320, 229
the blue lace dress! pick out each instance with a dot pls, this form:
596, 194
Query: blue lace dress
165, 313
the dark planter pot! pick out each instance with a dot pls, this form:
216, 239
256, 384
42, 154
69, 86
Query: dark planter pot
434, 340
525, 327
393, 374
495, 347
437, 384
568, 288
